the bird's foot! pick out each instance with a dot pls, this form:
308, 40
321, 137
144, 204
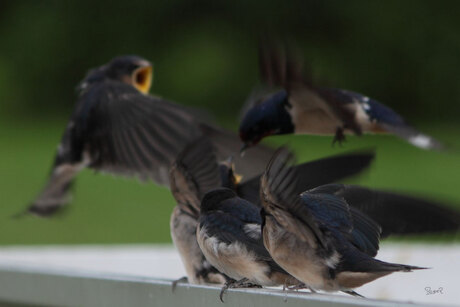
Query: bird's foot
351, 292
232, 284
178, 281
299, 287
339, 136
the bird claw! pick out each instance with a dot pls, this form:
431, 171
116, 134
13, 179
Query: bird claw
298, 287
232, 284
339, 137
178, 281
353, 293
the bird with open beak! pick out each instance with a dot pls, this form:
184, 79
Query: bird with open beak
117, 127
317, 237
292, 104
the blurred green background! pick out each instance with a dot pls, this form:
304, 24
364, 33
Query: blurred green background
403, 53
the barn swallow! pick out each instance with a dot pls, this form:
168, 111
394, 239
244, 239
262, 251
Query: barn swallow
196, 172
229, 234
318, 238
116, 127
291, 104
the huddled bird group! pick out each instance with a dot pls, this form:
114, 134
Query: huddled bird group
257, 219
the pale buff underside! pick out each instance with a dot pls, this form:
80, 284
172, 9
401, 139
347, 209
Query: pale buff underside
234, 260
304, 265
310, 115
183, 234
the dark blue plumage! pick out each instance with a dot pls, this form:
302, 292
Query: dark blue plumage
375, 110
270, 117
317, 237
229, 234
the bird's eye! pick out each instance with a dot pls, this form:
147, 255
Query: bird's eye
142, 79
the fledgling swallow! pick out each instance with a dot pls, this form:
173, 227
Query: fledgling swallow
293, 105
318, 238
196, 172
116, 127
229, 234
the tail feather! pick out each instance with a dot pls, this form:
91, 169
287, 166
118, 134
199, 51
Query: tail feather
414, 137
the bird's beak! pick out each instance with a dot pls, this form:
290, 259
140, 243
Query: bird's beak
143, 77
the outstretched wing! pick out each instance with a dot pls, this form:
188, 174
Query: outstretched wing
315, 173
401, 214
134, 134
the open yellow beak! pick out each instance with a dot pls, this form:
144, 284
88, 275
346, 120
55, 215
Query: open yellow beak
142, 78
237, 177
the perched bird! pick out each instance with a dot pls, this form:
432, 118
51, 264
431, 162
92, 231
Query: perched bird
229, 234
293, 105
116, 127
196, 172
317, 237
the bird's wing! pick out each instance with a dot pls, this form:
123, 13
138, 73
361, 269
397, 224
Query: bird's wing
279, 198
399, 214
56, 193
129, 133
194, 172
382, 118
360, 229
316, 173
68, 162
334, 213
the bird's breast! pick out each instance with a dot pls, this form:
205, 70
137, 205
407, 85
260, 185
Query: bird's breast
296, 256
233, 259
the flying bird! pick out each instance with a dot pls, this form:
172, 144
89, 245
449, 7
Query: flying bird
317, 237
117, 127
291, 104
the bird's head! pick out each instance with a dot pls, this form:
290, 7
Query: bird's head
269, 117
229, 178
129, 69
132, 70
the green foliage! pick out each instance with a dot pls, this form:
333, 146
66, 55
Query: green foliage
404, 53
